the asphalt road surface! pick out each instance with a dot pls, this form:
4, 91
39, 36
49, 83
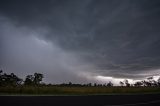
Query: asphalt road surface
94, 100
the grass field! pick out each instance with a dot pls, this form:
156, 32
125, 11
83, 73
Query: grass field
54, 90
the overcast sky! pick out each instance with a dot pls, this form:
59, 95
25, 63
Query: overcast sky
80, 40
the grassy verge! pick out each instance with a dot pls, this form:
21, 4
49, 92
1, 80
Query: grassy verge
54, 90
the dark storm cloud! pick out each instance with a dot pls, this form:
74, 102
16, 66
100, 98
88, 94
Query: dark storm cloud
119, 38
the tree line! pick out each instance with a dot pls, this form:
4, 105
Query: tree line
14, 80
150, 82
36, 80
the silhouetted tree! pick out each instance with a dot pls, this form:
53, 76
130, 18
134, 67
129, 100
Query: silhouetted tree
146, 83
70, 83
139, 83
104, 85
155, 83
121, 83
9, 79
1, 78
95, 84
1, 71
29, 80
33, 79
109, 84
151, 82
158, 81
89, 84
37, 78
127, 83
15, 80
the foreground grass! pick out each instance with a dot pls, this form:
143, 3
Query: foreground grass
55, 90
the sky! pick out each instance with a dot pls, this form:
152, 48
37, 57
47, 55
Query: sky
81, 40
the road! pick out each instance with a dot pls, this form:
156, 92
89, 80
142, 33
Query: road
94, 100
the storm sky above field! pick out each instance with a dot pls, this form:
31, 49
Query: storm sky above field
80, 40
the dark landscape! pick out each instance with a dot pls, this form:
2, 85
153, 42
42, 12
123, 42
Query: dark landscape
31, 92
91, 100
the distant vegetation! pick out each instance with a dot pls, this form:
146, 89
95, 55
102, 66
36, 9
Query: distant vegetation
32, 84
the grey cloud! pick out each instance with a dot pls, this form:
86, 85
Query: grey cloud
109, 37
24, 51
